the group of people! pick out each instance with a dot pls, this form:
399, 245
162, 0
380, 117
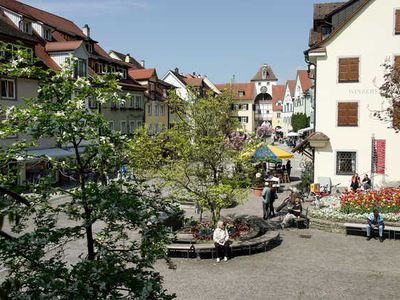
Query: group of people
356, 184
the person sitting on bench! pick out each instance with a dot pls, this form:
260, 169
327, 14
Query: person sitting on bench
375, 220
221, 243
293, 213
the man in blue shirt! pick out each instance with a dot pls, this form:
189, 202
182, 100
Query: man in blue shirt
375, 220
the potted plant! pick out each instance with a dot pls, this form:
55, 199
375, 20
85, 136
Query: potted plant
258, 184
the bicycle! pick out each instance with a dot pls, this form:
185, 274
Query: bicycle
324, 192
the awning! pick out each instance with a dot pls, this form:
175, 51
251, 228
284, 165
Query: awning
55, 153
292, 134
301, 131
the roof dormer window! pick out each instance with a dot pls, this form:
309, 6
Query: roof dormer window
241, 93
99, 68
124, 74
89, 48
47, 34
25, 26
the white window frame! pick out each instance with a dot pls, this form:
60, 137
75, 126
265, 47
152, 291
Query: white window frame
25, 26
81, 63
149, 108
121, 127
7, 97
99, 68
162, 109
132, 126
156, 108
111, 69
124, 74
47, 34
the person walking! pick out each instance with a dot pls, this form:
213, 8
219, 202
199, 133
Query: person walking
266, 197
221, 241
288, 167
273, 197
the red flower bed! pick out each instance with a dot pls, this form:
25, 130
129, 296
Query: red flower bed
385, 200
204, 231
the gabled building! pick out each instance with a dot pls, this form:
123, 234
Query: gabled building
53, 40
263, 81
288, 106
278, 93
243, 95
359, 37
157, 110
303, 96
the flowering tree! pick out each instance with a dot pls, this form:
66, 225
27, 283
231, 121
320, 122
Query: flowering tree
193, 157
37, 234
264, 131
391, 91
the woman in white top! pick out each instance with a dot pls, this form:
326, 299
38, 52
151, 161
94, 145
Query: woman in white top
221, 238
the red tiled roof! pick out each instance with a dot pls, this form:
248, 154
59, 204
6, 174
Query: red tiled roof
292, 86
270, 74
63, 46
43, 16
45, 58
278, 93
142, 74
306, 83
193, 81
100, 51
247, 88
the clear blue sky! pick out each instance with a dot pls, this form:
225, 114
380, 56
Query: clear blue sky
213, 37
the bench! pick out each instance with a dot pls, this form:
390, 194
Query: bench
181, 248
390, 230
249, 245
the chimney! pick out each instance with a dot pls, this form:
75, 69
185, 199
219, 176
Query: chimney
142, 63
177, 70
86, 30
127, 58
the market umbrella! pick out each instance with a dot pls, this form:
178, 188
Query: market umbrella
271, 153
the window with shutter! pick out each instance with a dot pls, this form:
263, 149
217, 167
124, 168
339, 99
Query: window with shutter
397, 22
397, 63
349, 69
347, 114
396, 115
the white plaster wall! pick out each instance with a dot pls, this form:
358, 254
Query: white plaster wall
377, 19
287, 111
181, 90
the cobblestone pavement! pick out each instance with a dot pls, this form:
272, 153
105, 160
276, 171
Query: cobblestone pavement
308, 264
324, 266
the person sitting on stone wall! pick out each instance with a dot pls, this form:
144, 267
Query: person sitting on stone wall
375, 220
221, 240
294, 212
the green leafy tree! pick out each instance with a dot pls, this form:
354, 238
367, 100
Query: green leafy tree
196, 157
102, 240
299, 121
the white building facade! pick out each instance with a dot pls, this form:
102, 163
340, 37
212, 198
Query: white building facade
288, 107
349, 73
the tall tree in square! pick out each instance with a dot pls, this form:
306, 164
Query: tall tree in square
102, 240
196, 157
390, 90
